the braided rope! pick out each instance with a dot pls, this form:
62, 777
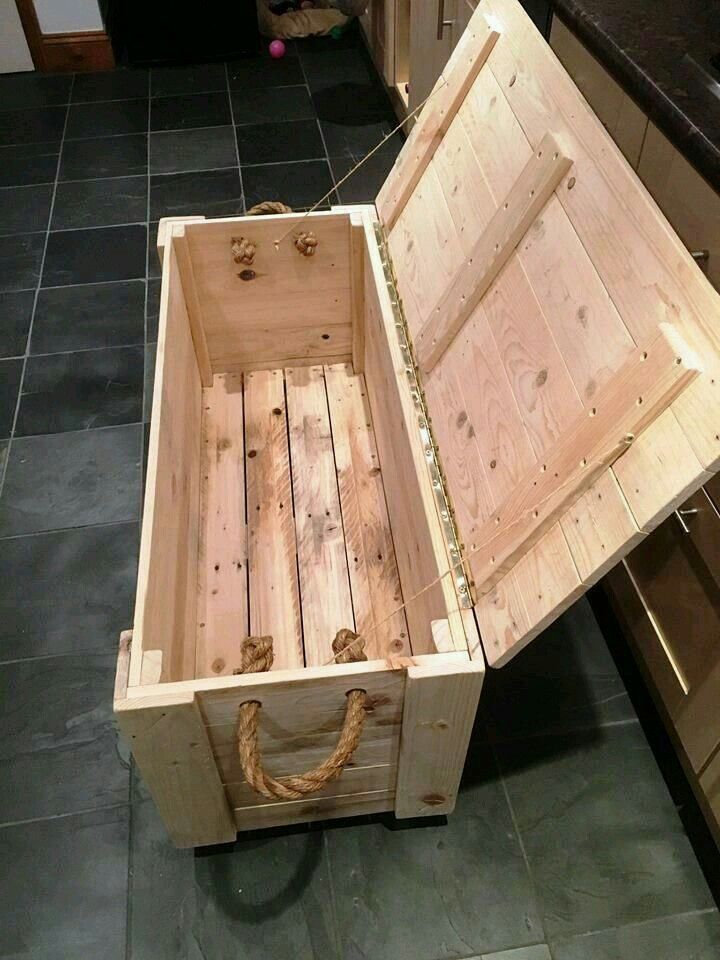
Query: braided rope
257, 656
268, 207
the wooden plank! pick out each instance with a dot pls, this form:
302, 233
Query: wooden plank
419, 545
171, 749
291, 305
309, 810
537, 182
252, 366
165, 228
324, 580
374, 580
192, 302
357, 287
452, 86
438, 716
222, 612
151, 671
272, 555
659, 474
541, 586
637, 394
647, 271
544, 393
165, 610
352, 781
284, 756
600, 528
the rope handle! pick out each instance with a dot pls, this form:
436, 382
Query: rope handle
257, 656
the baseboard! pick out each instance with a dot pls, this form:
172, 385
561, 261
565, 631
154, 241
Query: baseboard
77, 52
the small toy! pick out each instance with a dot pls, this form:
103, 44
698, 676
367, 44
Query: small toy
336, 33
277, 49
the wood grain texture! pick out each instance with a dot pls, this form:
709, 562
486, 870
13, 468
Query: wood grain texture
538, 180
192, 302
292, 306
374, 580
166, 600
419, 544
171, 749
636, 396
452, 86
438, 716
272, 553
222, 611
309, 810
324, 579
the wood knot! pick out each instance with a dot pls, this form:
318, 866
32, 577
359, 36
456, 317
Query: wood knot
306, 243
433, 799
243, 250
247, 275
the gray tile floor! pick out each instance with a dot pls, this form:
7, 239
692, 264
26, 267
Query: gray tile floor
565, 842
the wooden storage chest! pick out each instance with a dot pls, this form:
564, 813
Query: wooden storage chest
436, 432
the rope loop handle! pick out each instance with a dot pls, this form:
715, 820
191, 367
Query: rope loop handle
257, 656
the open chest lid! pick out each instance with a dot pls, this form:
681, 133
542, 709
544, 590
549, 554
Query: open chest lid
567, 345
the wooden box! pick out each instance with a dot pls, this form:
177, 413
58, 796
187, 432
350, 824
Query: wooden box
435, 432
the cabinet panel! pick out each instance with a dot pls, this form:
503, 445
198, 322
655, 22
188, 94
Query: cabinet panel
625, 122
689, 203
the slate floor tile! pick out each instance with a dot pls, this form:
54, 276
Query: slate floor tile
538, 952
71, 480
20, 260
453, 890
22, 91
32, 126
179, 151
355, 140
272, 104
79, 391
78, 591
107, 118
297, 184
363, 186
214, 193
123, 156
179, 80
94, 256
88, 316
328, 68
59, 744
154, 267
263, 72
111, 85
566, 680
603, 839
259, 898
10, 376
15, 316
76, 906
279, 142
152, 310
150, 354
100, 203
28, 163
184, 113
694, 936
25, 209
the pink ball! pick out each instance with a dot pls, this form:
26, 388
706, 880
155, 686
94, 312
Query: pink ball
277, 49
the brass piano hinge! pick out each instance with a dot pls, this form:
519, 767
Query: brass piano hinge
427, 438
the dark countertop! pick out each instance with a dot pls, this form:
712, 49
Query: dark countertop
659, 51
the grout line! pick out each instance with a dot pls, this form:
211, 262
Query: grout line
237, 148
65, 353
322, 138
64, 816
53, 530
63, 433
333, 899
521, 843
41, 268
